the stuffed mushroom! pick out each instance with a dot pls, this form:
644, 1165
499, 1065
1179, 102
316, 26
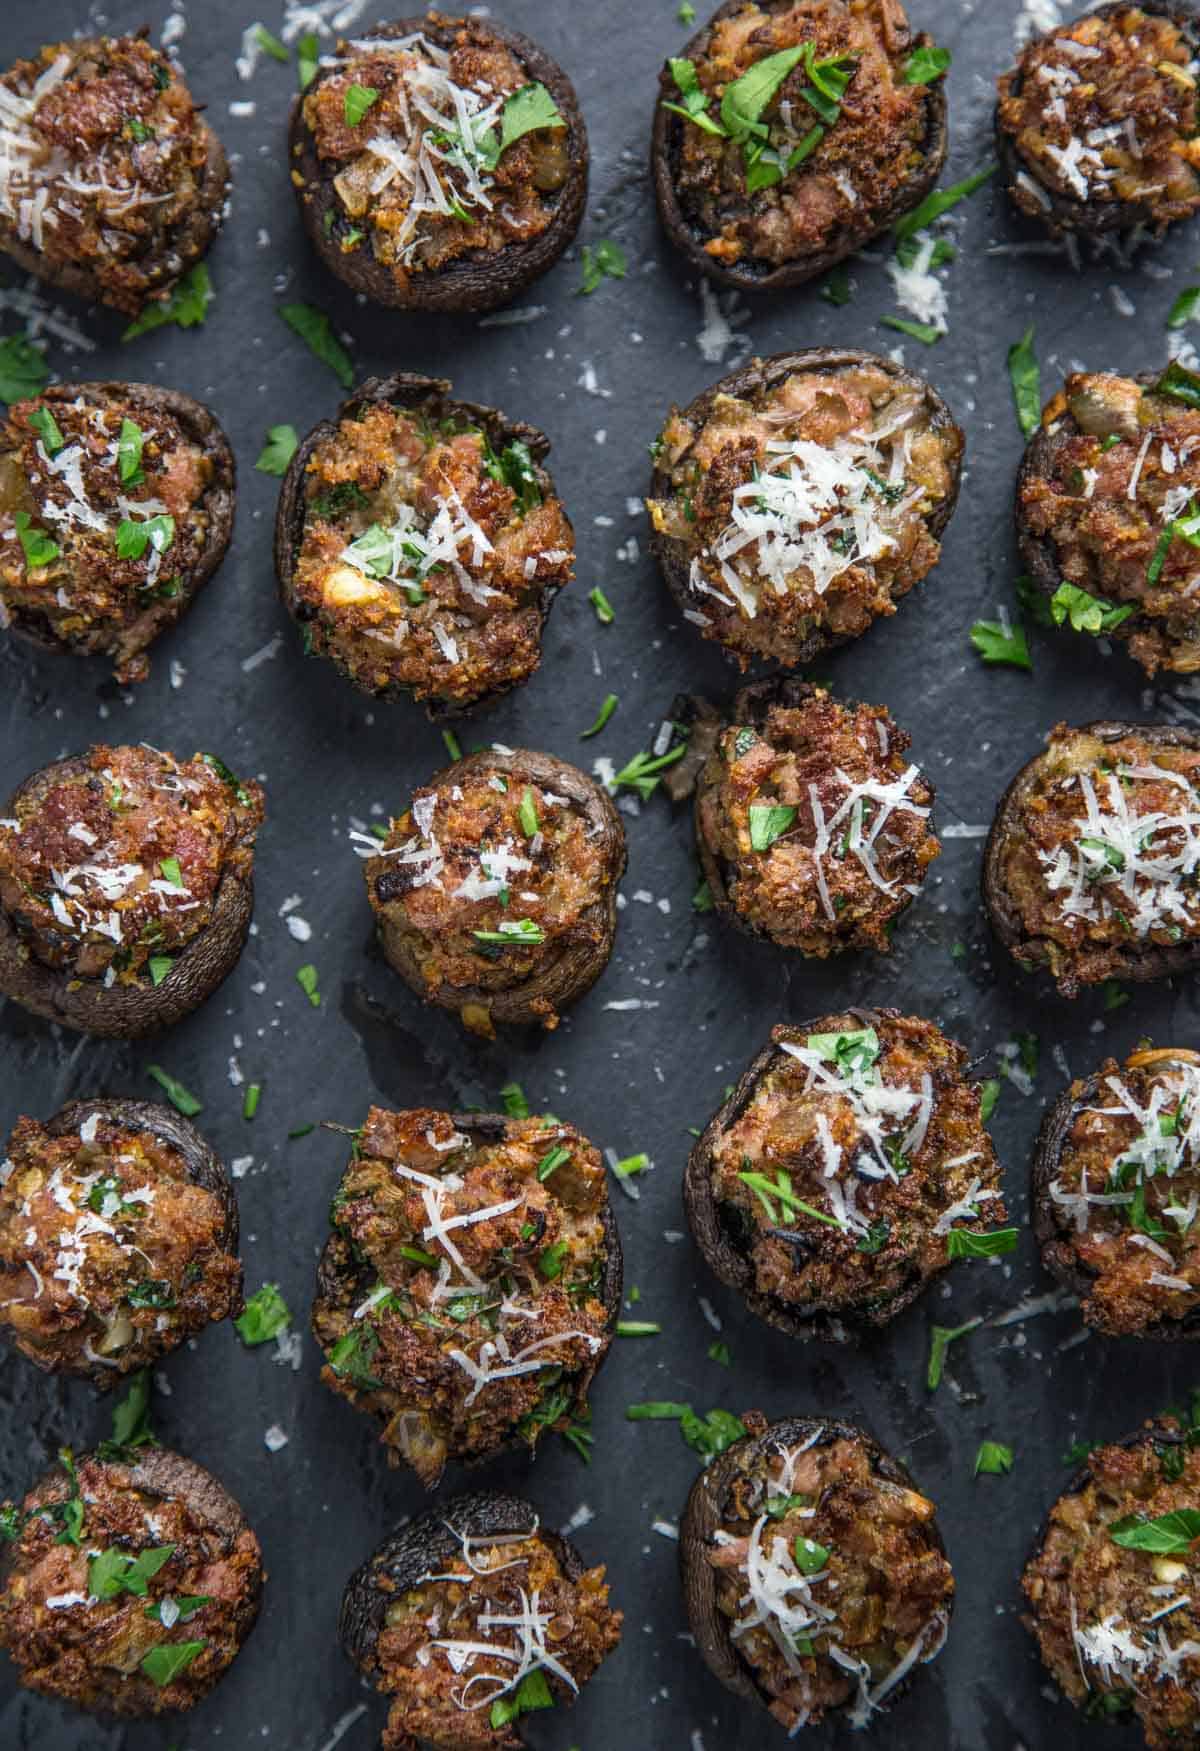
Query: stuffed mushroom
1114, 1584
1091, 863
472, 1616
1096, 125
846, 1170
1106, 511
791, 132
114, 185
126, 887
116, 507
472, 1283
1116, 1186
797, 500
420, 544
814, 1574
495, 891
118, 1238
439, 163
813, 827
128, 1582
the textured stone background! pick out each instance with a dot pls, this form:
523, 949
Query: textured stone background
633, 1079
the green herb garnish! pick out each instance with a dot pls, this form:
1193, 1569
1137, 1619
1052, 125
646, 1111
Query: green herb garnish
316, 331
265, 1315
278, 449
179, 1097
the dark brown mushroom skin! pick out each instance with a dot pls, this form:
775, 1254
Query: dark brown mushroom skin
750, 276
124, 1012
189, 245
1065, 213
703, 1514
718, 1242
580, 964
204, 1168
422, 1545
200, 424
161, 1472
463, 285
759, 377
751, 707
1057, 1257
338, 1273
430, 396
1138, 964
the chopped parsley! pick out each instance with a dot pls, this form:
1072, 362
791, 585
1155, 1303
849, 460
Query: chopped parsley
269, 43
278, 449
163, 1664
1169, 1535
23, 368
993, 1459
186, 305
810, 1556
531, 1693
779, 1190
1185, 309
133, 538
550, 1262
357, 102
131, 1420
266, 1314
308, 55
602, 605
643, 772
708, 1435
769, 822
1026, 382
453, 746
926, 64
180, 1098
46, 426
36, 545
153, 1292
702, 899
316, 331
998, 643
603, 260
551, 1161
129, 453
925, 332
1177, 383
720, 1352
940, 1339
602, 717
306, 978
512, 1099
961, 1243
115, 1571
525, 112
835, 288
513, 933
1087, 613
527, 814
940, 201
252, 1098
989, 1094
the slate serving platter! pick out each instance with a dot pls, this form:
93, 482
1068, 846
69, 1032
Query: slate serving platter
597, 373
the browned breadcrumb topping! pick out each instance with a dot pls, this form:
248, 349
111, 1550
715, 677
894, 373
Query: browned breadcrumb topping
835, 194
84, 499
1115, 1624
90, 1650
415, 186
853, 842
818, 1550
422, 567
460, 860
861, 1158
460, 1299
1101, 856
1123, 467
109, 1255
782, 544
109, 153
445, 1700
1103, 111
1126, 1188
118, 860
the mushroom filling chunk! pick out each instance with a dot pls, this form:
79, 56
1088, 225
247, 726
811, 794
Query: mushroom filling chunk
803, 507
491, 878
426, 556
110, 1255
128, 1589
1112, 500
820, 824
103, 157
1104, 854
437, 153
853, 1164
461, 1298
829, 1578
1114, 1590
1103, 111
112, 868
102, 516
835, 142
497, 1631
1126, 1193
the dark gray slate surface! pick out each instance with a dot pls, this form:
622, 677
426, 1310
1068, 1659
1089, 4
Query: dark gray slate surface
633, 1079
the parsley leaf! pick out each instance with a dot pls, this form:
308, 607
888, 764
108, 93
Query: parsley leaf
997, 643
603, 260
186, 305
992, 1459
164, 1663
357, 102
926, 64
1087, 613
23, 368
278, 450
1170, 1535
266, 1314
961, 1243
1026, 382
940, 1339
